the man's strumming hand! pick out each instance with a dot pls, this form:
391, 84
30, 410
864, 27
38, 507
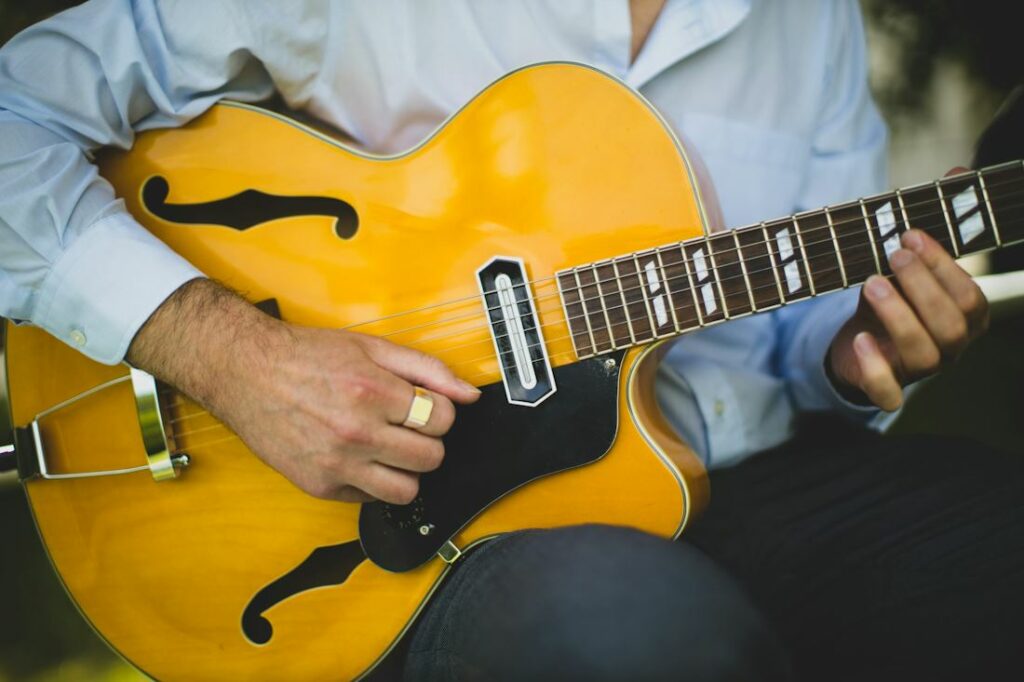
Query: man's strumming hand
324, 407
906, 332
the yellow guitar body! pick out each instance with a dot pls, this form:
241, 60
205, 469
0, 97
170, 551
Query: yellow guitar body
555, 164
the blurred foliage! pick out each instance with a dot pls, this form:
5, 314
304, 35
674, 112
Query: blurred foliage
982, 35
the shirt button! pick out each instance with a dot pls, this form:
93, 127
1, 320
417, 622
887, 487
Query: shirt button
77, 337
719, 408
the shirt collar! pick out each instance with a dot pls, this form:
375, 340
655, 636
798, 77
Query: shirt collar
683, 28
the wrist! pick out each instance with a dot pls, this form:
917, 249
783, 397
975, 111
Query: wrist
201, 339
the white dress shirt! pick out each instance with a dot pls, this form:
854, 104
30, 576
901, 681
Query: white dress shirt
771, 93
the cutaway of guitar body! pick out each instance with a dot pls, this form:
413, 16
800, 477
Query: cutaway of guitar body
230, 572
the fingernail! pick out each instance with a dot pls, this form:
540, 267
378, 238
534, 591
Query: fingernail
862, 343
913, 241
468, 386
878, 288
901, 258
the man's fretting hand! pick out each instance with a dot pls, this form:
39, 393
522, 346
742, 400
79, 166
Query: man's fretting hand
324, 407
903, 333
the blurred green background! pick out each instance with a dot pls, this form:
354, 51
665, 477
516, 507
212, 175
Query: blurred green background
939, 70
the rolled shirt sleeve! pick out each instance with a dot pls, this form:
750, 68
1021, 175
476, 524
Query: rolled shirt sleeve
72, 260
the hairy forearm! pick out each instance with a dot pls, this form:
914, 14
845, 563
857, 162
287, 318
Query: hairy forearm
324, 407
199, 337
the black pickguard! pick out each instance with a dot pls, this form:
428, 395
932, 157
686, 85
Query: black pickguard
247, 209
493, 448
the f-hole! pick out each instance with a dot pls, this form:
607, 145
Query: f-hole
247, 209
324, 566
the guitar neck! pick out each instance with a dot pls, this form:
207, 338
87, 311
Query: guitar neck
658, 293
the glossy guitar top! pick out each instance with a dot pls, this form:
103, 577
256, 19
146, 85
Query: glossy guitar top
230, 572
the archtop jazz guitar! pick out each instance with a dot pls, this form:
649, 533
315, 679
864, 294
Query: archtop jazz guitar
542, 243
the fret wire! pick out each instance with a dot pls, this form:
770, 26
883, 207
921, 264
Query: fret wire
565, 311
869, 259
775, 281
988, 207
586, 312
866, 217
903, 210
771, 257
668, 291
604, 308
743, 269
807, 263
835, 243
853, 262
693, 288
709, 324
1012, 165
863, 218
906, 220
714, 268
817, 229
643, 292
988, 202
945, 213
625, 307
871, 235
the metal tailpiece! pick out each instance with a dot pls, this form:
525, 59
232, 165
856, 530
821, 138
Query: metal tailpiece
161, 463
151, 423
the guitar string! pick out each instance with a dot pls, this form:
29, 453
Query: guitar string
496, 358
646, 318
610, 336
627, 258
674, 332
572, 354
684, 324
683, 262
970, 175
599, 300
233, 436
866, 200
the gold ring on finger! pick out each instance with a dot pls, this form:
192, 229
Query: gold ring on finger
420, 408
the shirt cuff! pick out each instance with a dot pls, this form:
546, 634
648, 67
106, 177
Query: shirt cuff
106, 285
817, 392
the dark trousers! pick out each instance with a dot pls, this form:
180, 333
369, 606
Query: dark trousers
842, 555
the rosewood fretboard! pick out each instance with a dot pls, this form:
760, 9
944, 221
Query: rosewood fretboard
657, 293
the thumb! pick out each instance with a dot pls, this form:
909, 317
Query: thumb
420, 369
